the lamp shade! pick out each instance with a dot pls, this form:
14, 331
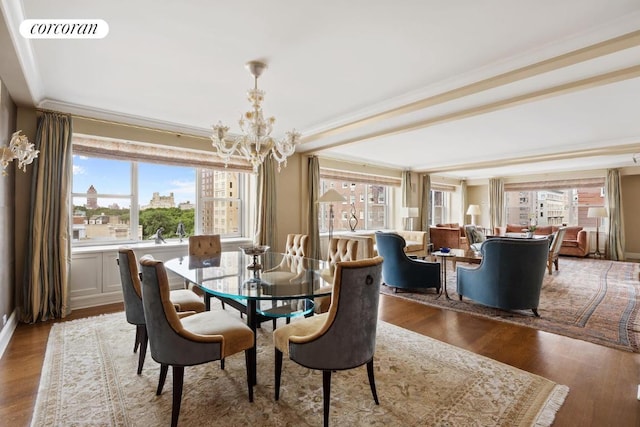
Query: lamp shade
597, 212
409, 212
473, 210
331, 196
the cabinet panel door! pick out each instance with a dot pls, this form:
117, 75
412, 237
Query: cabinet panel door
86, 274
110, 273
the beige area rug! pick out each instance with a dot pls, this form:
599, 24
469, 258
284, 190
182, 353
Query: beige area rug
592, 300
89, 378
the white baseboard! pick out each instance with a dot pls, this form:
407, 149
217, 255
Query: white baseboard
632, 255
7, 332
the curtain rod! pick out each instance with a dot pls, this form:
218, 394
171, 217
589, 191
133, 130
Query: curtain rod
129, 125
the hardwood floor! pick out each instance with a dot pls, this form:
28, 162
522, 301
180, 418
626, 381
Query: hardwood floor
603, 382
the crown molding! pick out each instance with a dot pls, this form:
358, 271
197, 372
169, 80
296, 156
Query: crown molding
13, 16
114, 117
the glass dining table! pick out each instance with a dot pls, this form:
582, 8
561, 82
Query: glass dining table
279, 285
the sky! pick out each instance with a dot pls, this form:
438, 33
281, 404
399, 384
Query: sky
113, 177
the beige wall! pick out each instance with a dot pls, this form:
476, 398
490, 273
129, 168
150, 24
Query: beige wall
479, 195
7, 197
631, 214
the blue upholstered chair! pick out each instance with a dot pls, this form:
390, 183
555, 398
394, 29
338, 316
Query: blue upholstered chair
184, 300
400, 271
193, 340
342, 338
509, 276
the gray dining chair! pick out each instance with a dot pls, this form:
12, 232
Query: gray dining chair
182, 299
342, 338
193, 340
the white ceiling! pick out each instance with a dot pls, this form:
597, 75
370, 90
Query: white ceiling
375, 82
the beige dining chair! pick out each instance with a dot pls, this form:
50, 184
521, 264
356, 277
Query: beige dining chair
203, 246
340, 249
182, 299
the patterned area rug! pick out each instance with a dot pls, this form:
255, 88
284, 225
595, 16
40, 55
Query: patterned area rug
592, 300
89, 378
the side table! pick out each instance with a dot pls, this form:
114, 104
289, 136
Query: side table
443, 266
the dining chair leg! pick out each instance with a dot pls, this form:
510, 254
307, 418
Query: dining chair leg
222, 364
144, 339
250, 367
326, 395
372, 381
163, 376
137, 343
178, 378
278, 371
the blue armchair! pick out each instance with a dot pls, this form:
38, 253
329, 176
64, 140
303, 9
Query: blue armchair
400, 271
510, 274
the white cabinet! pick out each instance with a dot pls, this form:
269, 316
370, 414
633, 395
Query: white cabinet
95, 275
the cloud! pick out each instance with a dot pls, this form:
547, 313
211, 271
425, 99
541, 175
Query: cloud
78, 170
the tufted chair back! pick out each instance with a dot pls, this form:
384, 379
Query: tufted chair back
297, 244
205, 245
341, 250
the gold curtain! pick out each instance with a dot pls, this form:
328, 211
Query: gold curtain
425, 205
616, 226
314, 194
266, 232
496, 202
45, 289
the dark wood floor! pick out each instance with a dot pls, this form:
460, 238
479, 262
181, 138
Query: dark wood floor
603, 381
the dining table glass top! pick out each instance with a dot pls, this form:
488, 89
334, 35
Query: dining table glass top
233, 275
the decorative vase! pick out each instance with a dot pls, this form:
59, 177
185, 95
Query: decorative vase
353, 220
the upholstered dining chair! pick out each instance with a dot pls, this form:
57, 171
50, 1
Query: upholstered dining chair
344, 337
554, 249
194, 340
400, 271
203, 246
297, 244
339, 250
182, 299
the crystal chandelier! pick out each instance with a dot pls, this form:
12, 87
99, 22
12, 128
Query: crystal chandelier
255, 143
19, 149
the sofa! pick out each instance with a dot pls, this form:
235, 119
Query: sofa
575, 242
541, 230
416, 243
448, 236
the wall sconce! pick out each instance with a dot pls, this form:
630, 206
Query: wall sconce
19, 149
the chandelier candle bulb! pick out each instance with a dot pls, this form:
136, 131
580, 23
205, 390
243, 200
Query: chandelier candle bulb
255, 142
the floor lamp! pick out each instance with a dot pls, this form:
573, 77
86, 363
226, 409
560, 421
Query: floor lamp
331, 197
597, 213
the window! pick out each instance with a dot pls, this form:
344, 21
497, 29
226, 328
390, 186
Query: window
440, 201
127, 201
374, 209
553, 206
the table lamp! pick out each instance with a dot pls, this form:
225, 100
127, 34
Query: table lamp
473, 210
